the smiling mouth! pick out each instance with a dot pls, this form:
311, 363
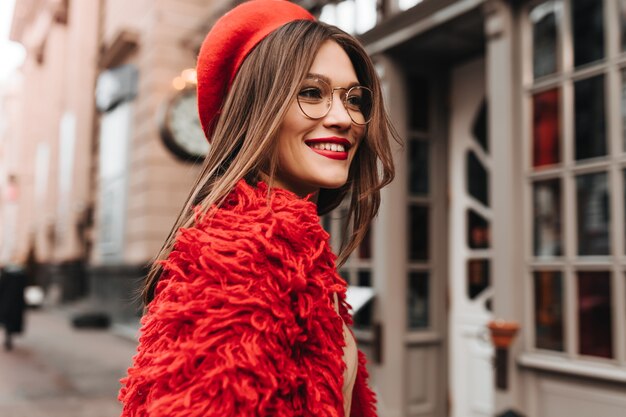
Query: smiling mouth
333, 148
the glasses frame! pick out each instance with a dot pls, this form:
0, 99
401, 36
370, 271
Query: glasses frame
344, 97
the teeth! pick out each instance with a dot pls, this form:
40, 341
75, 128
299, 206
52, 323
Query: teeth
333, 147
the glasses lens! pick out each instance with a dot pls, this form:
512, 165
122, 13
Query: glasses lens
314, 98
358, 102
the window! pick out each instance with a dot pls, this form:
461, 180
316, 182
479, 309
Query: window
546, 21
418, 284
546, 128
576, 164
549, 330
353, 16
357, 270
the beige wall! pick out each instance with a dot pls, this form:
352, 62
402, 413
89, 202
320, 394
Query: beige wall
60, 84
10, 116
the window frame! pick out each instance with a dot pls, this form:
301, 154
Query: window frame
612, 67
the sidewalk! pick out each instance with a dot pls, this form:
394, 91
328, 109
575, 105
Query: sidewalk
57, 371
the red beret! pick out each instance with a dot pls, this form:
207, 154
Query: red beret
228, 43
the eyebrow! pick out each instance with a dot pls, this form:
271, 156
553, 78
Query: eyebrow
327, 80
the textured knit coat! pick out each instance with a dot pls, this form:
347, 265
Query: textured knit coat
243, 321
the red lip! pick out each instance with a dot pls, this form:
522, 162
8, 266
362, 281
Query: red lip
341, 156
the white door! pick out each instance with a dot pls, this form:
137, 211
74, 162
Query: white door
471, 353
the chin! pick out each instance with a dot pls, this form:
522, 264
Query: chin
332, 184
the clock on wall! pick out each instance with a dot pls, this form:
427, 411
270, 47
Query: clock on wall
180, 127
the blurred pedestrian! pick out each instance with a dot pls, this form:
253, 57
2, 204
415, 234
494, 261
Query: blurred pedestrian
12, 304
246, 313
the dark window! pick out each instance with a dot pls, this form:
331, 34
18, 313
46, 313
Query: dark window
363, 318
594, 314
588, 31
478, 231
592, 220
480, 128
418, 167
590, 121
418, 233
478, 276
419, 104
418, 300
545, 35
547, 238
546, 128
477, 185
549, 310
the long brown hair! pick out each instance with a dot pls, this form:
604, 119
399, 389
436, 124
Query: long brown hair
244, 140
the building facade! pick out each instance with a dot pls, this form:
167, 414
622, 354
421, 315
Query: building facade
48, 157
508, 207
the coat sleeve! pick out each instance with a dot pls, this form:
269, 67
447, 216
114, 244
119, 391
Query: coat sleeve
218, 338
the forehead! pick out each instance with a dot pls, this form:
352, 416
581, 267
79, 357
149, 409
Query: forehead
333, 63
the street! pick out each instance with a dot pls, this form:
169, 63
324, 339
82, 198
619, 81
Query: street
55, 370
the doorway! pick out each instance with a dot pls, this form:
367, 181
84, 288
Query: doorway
470, 282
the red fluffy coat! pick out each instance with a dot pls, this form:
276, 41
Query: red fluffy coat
243, 323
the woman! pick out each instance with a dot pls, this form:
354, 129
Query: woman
12, 303
246, 314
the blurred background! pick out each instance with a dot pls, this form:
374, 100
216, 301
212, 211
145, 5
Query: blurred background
496, 265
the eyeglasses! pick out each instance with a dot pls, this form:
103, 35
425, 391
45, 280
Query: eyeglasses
315, 99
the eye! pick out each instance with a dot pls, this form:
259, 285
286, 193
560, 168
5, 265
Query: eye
310, 94
354, 101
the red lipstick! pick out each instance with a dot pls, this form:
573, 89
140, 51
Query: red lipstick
333, 140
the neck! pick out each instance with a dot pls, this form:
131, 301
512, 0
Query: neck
299, 190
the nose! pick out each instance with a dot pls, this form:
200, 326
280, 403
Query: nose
337, 116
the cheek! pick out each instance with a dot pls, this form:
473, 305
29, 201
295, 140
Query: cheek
360, 140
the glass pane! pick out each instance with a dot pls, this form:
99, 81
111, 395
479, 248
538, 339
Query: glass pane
419, 104
594, 314
590, 118
418, 300
549, 310
477, 185
418, 167
478, 277
418, 233
588, 30
545, 34
547, 238
345, 275
592, 203
546, 128
480, 129
478, 231
364, 317
365, 248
